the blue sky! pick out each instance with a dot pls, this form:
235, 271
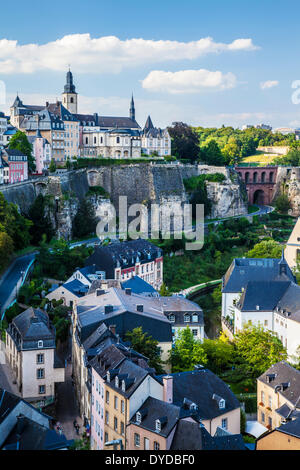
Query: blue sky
172, 76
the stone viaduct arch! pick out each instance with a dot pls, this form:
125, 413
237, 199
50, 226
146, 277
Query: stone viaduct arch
260, 182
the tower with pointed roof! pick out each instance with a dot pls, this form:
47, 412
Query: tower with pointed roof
69, 96
132, 109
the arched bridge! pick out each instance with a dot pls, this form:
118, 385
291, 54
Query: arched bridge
259, 182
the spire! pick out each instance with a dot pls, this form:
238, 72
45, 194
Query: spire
282, 264
132, 109
149, 124
69, 86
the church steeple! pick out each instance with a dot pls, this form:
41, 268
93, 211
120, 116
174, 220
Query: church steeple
69, 94
132, 109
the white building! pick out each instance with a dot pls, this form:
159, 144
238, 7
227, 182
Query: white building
3, 128
115, 143
292, 249
155, 141
272, 304
31, 353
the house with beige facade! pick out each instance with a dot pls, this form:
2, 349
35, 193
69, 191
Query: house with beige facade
278, 395
30, 351
292, 248
284, 437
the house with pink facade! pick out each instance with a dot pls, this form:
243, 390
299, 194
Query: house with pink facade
41, 151
17, 163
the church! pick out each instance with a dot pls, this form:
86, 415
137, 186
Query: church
71, 134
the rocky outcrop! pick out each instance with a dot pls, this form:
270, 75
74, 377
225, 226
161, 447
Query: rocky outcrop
288, 182
141, 183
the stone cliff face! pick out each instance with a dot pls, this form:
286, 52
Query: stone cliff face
141, 183
288, 181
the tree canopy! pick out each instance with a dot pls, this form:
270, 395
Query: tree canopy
265, 249
144, 344
20, 142
187, 352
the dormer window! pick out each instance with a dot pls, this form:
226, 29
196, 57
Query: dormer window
193, 406
117, 381
172, 318
108, 376
222, 404
123, 386
187, 318
40, 344
157, 425
138, 418
195, 318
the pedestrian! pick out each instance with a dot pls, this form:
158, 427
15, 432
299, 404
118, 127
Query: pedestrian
77, 429
74, 423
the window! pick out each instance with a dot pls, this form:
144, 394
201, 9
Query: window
41, 389
270, 422
224, 423
195, 318
262, 397
115, 423
107, 397
122, 428
116, 403
270, 402
195, 332
156, 445
40, 373
122, 406
106, 437
40, 358
222, 404
137, 440
157, 426
266, 322
172, 318
187, 318
262, 417
40, 344
138, 418
106, 417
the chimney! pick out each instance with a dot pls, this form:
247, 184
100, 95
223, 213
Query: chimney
128, 290
20, 424
108, 309
168, 388
140, 308
112, 328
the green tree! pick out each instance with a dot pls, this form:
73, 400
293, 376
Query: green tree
41, 220
282, 204
259, 348
265, 249
231, 151
211, 154
187, 352
144, 344
84, 222
52, 166
163, 291
220, 354
6, 248
20, 142
184, 141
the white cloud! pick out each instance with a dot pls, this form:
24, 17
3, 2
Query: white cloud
188, 81
105, 54
268, 84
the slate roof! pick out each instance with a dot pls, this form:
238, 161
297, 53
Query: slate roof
117, 122
199, 386
59, 110
292, 428
123, 254
34, 436
264, 294
14, 152
243, 270
31, 326
194, 436
284, 374
132, 374
138, 286
153, 409
8, 402
289, 304
76, 287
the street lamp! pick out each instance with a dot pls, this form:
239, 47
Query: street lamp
115, 442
